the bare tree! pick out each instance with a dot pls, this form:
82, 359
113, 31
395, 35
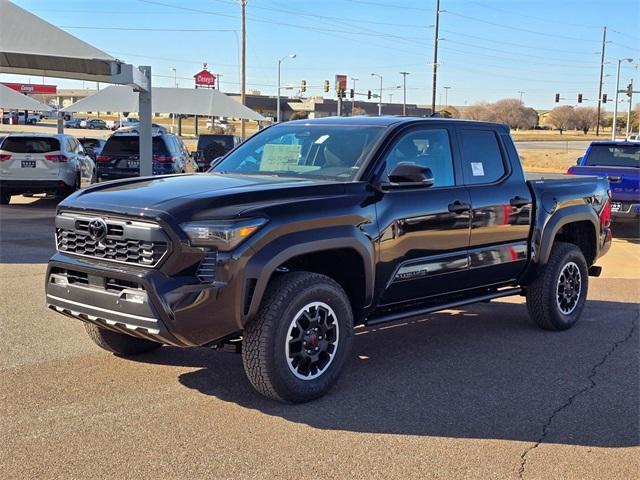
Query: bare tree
450, 112
358, 111
562, 118
299, 115
479, 111
585, 118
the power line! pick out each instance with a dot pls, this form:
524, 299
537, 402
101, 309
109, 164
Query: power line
135, 29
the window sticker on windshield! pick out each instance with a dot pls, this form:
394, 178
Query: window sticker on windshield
279, 157
477, 169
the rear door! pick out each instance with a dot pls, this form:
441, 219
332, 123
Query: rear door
30, 158
501, 205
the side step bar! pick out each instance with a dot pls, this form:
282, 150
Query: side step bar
392, 317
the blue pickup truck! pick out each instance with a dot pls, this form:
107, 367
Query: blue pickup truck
619, 161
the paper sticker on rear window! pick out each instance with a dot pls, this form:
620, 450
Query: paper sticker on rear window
477, 170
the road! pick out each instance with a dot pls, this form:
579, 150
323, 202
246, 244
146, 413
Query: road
471, 393
554, 145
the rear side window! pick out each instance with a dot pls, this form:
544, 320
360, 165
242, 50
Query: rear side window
481, 157
130, 145
30, 144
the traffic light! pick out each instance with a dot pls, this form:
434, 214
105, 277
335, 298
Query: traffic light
303, 86
630, 90
557, 97
368, 94
344, 93
352, 93
579, 98
604, 98
326, 86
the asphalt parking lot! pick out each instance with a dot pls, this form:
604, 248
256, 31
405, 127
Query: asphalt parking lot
471, 393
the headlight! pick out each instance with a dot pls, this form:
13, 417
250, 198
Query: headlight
224, 235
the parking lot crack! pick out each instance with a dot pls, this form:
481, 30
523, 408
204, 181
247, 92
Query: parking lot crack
546, 428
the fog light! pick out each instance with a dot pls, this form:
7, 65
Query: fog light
134, 297
60, 280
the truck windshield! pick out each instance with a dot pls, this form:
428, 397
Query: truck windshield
614, 155
315, 151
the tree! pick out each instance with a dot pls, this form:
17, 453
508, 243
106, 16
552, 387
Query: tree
358, 111
479, 111
299, 115
513, 112
585, 118
450, 112
562, 118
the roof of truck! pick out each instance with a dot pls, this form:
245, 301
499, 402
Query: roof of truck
388, 120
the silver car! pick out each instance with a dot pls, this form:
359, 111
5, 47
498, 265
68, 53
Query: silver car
43, 163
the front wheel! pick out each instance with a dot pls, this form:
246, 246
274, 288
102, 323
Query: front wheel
296, 347
556, 298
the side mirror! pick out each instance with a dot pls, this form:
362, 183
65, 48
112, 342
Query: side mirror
579, 160
409, 175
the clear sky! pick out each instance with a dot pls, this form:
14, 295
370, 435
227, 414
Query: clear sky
489, 49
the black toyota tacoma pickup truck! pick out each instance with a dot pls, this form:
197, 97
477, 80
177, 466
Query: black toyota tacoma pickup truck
313, 227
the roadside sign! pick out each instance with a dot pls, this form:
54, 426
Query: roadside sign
341, 83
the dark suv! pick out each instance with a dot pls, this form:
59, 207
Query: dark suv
120, 156
212, 146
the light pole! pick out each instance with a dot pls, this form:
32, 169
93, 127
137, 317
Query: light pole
404, 93
615, 103
353, 99
380, 96
175, 85
292, 55
446, 96
521, 95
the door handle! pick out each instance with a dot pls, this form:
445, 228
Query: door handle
459, 207
519, 202
614, 179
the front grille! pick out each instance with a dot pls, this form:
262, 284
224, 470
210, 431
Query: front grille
126, 241
207, 270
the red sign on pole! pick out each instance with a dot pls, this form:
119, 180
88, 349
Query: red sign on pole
30, 89
341, 82
205, 78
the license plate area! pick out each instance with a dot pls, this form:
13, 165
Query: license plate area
616, 206
133, 163
28, 164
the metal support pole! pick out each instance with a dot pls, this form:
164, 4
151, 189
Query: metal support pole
278, 100
60, 122
404, 93
380, 99
615, 105
145, 115
629, 111
435, 58
353, 99
604, 42
243, 75
195, 124
339, 104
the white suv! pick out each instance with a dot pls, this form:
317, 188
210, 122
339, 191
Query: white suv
41, 163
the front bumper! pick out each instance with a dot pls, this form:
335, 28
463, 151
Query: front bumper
142, 302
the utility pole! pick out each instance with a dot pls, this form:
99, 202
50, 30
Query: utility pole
435, 58
604, 43
380, 95
404, 93
243, 74
280, 60
521, 95
353, 99
446, 96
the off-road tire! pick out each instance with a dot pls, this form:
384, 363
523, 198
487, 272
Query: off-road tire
263, 350
119, 342
542, 292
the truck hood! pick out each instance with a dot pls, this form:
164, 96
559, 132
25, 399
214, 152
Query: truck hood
624, 181
196, 193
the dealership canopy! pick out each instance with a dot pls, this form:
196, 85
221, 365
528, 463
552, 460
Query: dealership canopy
202, 101
12, 100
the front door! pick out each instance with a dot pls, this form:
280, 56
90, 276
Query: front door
424, 232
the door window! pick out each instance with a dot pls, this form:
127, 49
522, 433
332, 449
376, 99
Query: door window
426, 147
481, 157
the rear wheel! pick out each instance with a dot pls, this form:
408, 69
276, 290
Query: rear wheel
556, 298
296, 347
119, 342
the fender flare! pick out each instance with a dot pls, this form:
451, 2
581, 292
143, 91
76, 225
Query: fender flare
567, 215
263, 264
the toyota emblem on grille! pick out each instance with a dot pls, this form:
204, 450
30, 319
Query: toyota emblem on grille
97, 229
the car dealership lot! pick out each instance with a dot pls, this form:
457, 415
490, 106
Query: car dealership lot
477, 392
